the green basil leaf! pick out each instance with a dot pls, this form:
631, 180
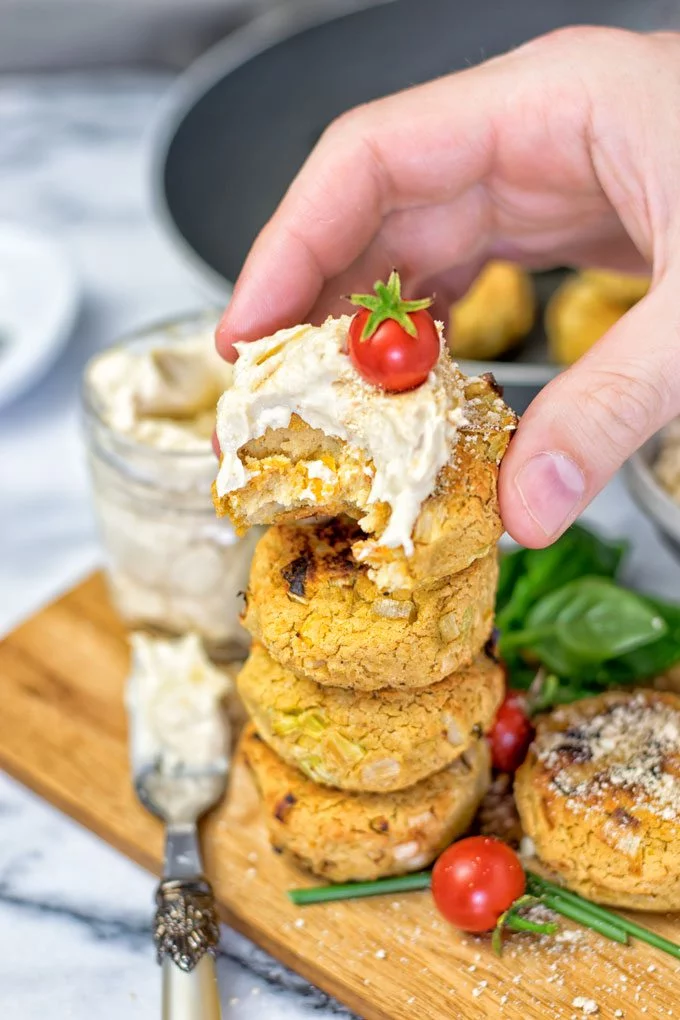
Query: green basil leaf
604, 621
596, 620
558, 658
548, 609
650, 660
510, 569
521, 677
558, 607
605, 556
529, 574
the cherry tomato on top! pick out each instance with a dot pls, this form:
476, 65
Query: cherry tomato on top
475, 881
511, 733
393, 344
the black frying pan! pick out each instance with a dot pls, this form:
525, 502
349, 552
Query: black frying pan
243, 120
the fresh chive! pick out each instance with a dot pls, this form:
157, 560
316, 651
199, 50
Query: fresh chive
542, 886
577, 909
517, 923
601, 920
512, 919
357, 890
583, 917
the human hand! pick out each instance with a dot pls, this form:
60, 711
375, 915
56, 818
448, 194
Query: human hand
564, 151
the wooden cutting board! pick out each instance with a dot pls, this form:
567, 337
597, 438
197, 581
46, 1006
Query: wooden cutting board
63, 733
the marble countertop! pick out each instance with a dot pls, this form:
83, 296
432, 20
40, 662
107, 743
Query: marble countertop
74, 914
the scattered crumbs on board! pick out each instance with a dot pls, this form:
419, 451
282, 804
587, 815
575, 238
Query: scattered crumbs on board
479, 989
587, 1006
544, 966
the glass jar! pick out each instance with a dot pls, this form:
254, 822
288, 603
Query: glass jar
171, 564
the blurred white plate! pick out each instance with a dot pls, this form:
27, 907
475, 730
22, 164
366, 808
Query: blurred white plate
39, 296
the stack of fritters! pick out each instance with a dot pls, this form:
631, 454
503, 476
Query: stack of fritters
381, 701
369, 685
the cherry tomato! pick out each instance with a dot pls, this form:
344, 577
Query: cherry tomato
390, 358
393, 343
511, 734
475, 880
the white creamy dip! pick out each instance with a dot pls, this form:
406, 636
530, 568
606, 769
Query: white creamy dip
306, 370
149, 414
175, 704
162, 395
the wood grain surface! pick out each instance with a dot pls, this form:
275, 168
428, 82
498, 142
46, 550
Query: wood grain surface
63, 734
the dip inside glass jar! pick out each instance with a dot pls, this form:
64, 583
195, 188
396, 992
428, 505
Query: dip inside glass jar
149, 406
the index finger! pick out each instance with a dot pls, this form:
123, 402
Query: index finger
418, 147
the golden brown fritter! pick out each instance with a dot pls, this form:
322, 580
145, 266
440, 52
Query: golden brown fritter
626, 288
373, 741
577, 315
585, 306
346, 837
496, 313
317, 613
457, 524
599, 795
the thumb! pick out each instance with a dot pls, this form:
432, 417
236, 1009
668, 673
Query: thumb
582, 427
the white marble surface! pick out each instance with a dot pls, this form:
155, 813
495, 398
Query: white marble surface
74, 914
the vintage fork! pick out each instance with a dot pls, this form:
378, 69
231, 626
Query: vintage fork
186, 929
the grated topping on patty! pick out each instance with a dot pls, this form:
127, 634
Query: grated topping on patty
633, 746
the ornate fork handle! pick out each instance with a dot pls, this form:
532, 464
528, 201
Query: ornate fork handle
186, 933
186, 923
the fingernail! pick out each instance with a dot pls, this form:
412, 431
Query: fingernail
551, 486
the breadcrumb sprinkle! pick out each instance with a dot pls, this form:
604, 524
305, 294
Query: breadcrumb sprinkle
632, 741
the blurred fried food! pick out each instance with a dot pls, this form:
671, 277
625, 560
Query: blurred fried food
577, 315
623, 287
495, 314
584, 307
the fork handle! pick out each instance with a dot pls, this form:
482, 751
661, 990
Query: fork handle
186, 934
193, 995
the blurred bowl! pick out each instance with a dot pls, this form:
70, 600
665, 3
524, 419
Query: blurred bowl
653, 500
36, 273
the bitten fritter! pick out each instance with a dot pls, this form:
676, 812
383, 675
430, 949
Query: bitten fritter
347, 837
318, 613
299, 472
599, 795
373, 741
